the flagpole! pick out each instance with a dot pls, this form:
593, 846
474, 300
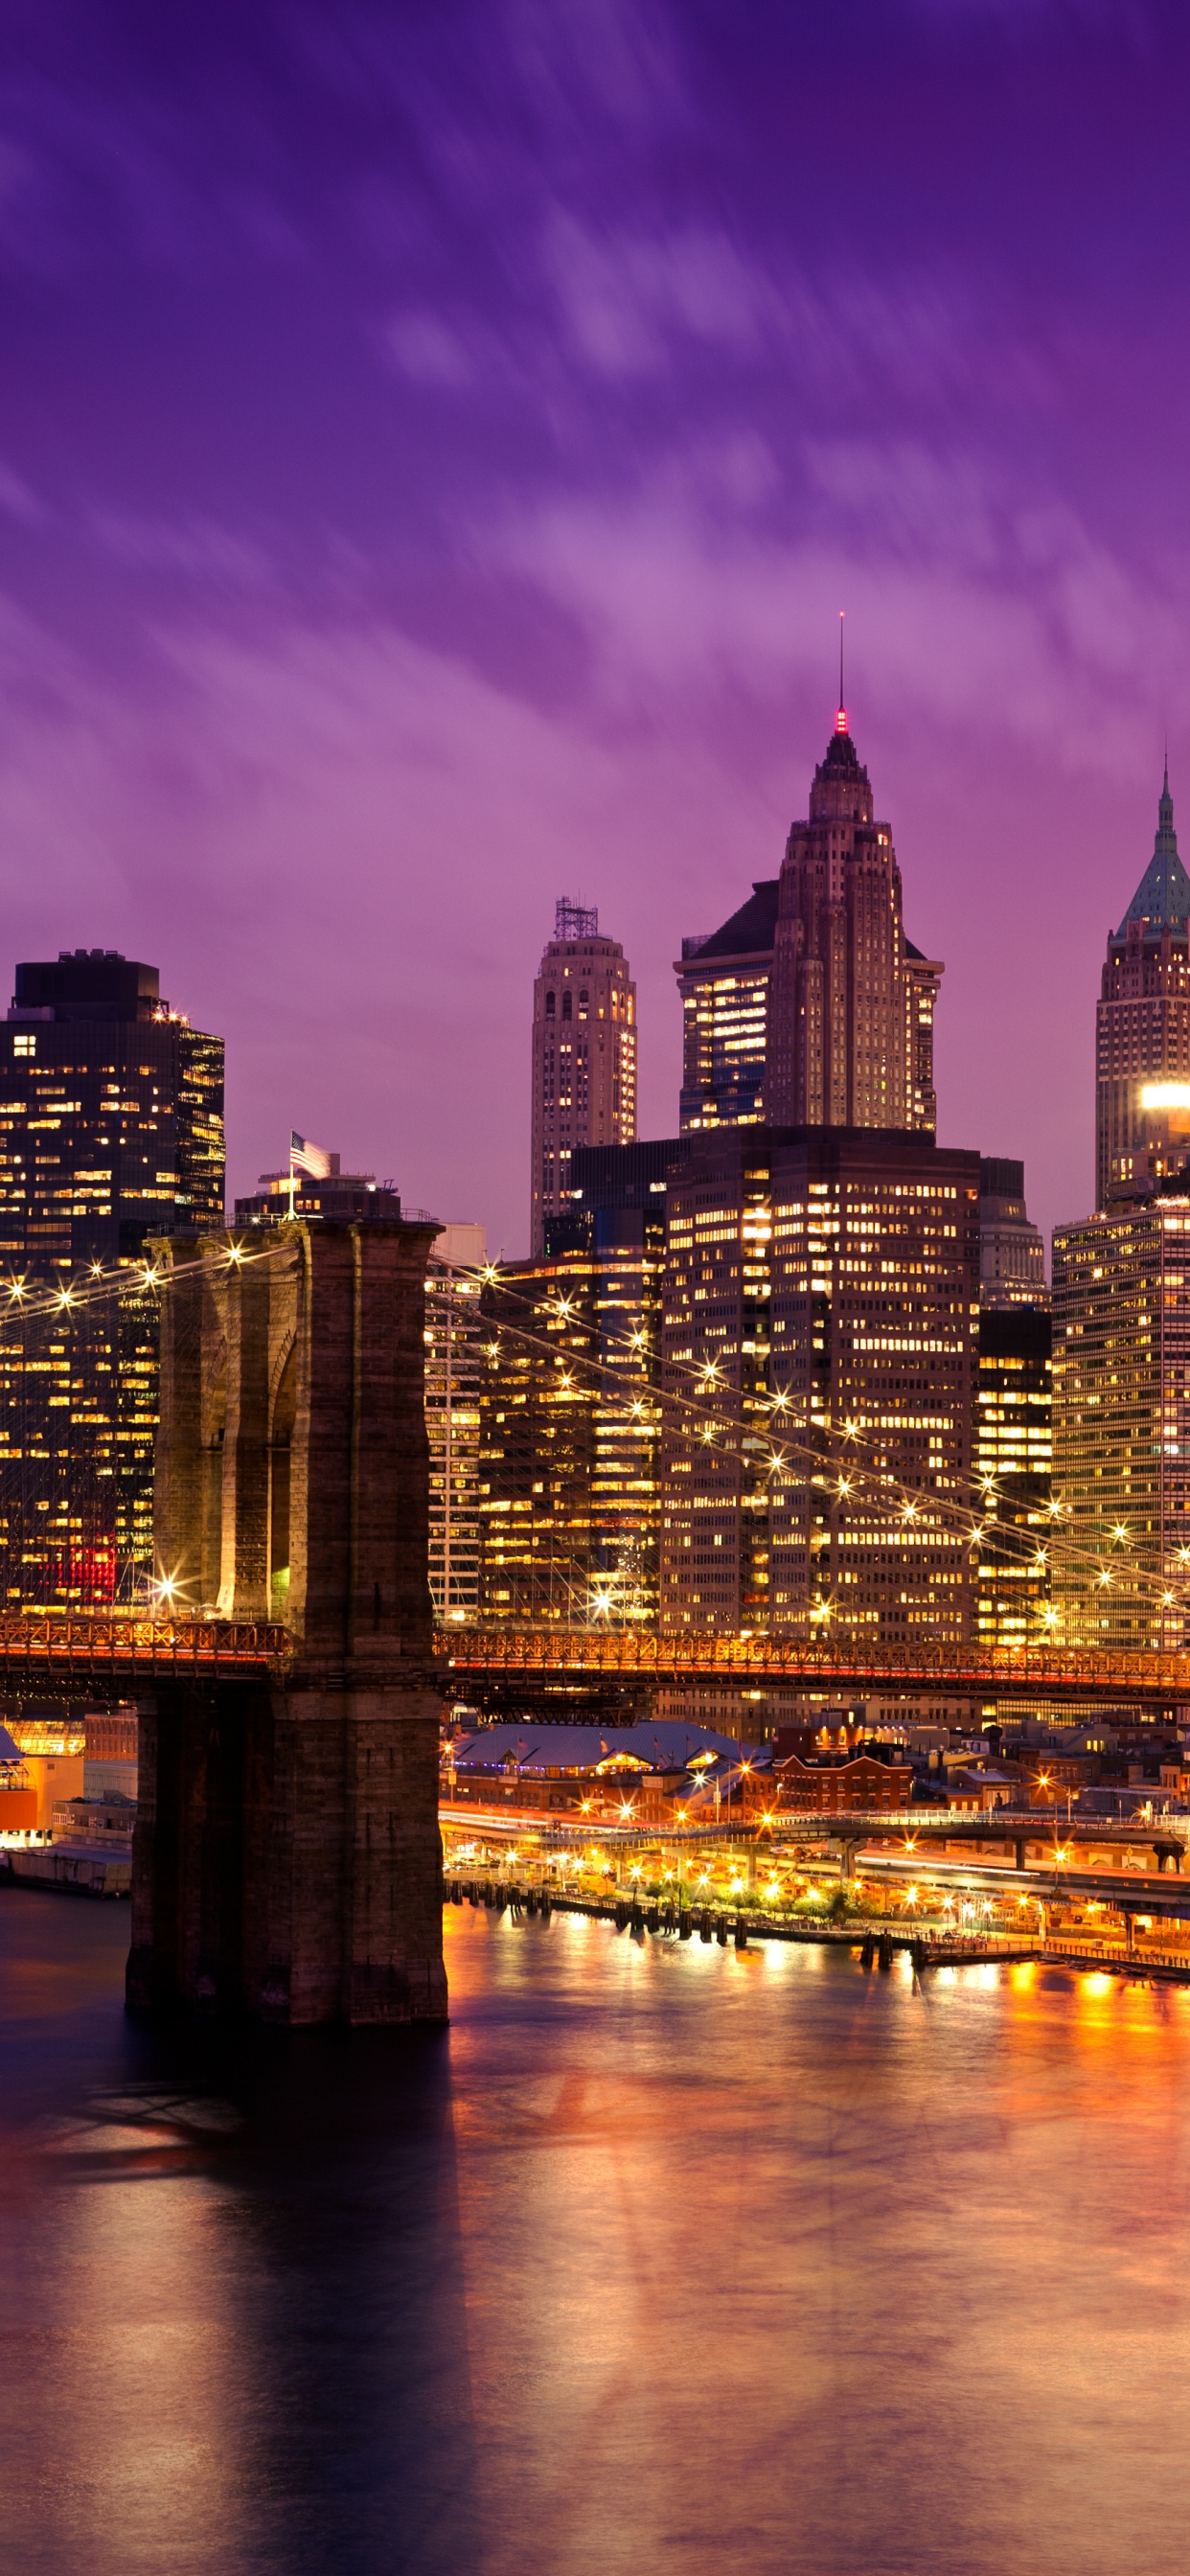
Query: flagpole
291, 1176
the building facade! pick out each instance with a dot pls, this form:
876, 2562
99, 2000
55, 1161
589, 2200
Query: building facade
568, 1479
819, 1341
1142, 1026
809, 1005
1011, 1250
111, 1132
1121, 1310
851, 1003
1013, 1467
584, 1056
723, 981
454, 1389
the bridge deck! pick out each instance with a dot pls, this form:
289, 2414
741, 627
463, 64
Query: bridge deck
547, 1659
94, 1646
102, 1645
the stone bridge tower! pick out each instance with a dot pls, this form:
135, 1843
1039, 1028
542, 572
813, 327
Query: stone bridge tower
287, 1859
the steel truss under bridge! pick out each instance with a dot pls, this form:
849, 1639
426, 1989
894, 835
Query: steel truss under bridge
571, 1659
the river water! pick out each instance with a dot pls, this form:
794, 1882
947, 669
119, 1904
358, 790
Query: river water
662, 2258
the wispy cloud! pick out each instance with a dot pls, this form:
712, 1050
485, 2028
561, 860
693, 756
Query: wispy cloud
18, 500
626, 297
203, 553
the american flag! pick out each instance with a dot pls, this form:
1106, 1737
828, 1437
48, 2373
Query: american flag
305, 1157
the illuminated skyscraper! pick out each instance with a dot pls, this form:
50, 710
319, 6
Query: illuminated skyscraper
1122, 1424
111, 1131
584, 1056
1014, 1415
809, 1006
568, 1492
454, 1385
818, 1384
850, 1041
723, 981
1142, 1026
1013, 1445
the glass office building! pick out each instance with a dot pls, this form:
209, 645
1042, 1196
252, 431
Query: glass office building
111, 1132
1121, 1301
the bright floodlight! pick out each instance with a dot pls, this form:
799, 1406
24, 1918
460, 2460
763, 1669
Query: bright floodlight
1165, 1095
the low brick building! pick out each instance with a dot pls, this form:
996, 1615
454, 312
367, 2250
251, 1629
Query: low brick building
836, 1783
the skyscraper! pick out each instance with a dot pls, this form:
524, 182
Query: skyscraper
454, 1383
851, 1001
1122, 1424
584, 1055
1013, 1441
723, 981
818, 1349
1142, 1024
809, 1006
112, 1124
1011, 1250
568, 1493
111, 1131
1014, 1423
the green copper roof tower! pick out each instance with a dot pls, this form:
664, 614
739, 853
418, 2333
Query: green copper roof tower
1142, 1033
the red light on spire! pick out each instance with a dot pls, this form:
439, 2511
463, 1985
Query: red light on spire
841, 718
841, 721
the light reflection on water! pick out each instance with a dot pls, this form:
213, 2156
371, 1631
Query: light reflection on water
662, 2257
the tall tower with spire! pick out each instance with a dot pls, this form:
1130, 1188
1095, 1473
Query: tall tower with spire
1142, 1025
584, 1056
851, 1004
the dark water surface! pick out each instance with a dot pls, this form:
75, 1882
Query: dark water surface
660, 2259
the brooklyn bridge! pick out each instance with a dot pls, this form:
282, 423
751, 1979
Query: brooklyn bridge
39, 1652
287, 1855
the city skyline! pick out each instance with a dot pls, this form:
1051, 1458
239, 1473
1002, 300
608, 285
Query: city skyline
595, 1734
394, 536
763, 902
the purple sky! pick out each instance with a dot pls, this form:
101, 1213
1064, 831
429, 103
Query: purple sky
436, 442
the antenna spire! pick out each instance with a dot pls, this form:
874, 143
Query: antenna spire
841, 718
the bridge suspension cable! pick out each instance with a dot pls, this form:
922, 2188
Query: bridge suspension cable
913, 1503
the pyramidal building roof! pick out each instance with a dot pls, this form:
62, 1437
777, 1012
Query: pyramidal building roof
1163, 895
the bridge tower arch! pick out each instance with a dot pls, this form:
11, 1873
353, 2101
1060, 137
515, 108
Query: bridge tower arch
287, 1859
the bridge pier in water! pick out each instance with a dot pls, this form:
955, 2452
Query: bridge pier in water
287, 1861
